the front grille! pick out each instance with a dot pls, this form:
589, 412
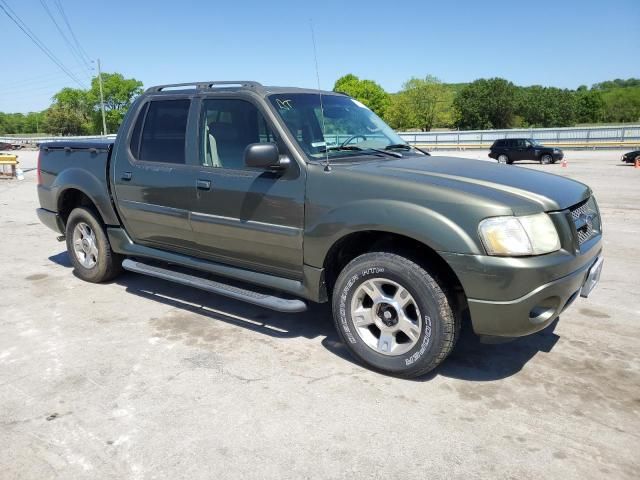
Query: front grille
586, 219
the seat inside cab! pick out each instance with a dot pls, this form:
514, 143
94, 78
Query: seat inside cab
231, 125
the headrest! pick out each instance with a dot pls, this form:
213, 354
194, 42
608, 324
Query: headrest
223, 131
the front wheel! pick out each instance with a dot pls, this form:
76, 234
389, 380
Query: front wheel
89, 248
393, 315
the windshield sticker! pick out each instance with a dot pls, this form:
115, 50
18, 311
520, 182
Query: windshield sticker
284, 104
361, 105
318, 144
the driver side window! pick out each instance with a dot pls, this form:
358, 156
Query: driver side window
227, 127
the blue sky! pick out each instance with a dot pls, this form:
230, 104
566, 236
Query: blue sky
557, 43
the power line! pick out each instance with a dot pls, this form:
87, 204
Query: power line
25, 29
73, 35
37, 79
74, 50
32, 88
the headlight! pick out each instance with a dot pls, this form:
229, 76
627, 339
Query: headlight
518, 236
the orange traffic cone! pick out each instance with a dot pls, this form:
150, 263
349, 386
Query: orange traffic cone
564, 163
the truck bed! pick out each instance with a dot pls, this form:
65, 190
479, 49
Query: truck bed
75, 164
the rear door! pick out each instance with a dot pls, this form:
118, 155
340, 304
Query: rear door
246, 217
498, 148
154, 175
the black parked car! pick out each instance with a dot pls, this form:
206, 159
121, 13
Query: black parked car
10, 146
630, 157
511, 150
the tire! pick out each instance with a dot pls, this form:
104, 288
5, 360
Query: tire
367, 328
89, 249
546, 159
502, 158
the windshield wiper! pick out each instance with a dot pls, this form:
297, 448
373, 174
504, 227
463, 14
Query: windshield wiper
343, 147
367, 151
363, 150
387, 152
405, 146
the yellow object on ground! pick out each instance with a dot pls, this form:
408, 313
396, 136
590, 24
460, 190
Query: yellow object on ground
11, 161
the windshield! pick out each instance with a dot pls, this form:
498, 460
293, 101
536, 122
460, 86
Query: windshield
349, 126
535, 143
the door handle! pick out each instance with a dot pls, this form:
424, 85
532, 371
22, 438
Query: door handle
203, 184
126, 176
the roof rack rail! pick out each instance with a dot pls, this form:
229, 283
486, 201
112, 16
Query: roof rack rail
206, 85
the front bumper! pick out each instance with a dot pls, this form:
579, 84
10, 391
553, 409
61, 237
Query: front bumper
513, 297
51, 220
537, 309
557, 156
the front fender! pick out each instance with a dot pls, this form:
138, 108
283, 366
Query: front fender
93, 187
391, 216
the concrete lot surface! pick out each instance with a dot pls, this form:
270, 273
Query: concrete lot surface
143, 379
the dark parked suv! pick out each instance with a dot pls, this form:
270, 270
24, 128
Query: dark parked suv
510, 150
630, 157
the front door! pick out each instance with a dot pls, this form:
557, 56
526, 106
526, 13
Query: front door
520, 150
246, 217
154, 181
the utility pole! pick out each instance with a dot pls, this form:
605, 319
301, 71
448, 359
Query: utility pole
104, 121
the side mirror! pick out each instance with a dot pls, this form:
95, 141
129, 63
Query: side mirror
262, 155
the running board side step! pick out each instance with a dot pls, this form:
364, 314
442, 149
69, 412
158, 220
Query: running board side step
263, 300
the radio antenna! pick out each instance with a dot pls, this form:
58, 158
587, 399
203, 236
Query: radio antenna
327, 167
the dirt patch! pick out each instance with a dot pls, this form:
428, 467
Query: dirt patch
36, 276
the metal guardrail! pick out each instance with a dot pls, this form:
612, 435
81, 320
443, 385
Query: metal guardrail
570, 137
575, 137
38, 139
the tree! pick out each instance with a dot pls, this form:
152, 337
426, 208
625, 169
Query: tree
486, 103
589, 106
366, 91
119, 93
546, 106
617, 83
34, 122
422, 103
77, 112
70, 113
399, 113
621, 104
63, 120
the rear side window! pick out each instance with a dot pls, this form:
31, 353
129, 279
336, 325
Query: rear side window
499, 143
137, 132
163, 126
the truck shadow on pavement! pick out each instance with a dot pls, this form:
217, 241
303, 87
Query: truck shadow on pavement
470, 360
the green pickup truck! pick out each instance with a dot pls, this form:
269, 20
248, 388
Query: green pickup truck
283, 196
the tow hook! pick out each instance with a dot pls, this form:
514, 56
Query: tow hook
61, 238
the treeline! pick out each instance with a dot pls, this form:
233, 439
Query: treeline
422, 103
76, 111
428, 103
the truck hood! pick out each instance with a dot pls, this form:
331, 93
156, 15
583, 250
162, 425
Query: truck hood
524, 190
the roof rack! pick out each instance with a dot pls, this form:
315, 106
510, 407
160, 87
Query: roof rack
206, 85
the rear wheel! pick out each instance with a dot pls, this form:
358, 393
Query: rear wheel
502, 158
393, 315
546, 159
89, 249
